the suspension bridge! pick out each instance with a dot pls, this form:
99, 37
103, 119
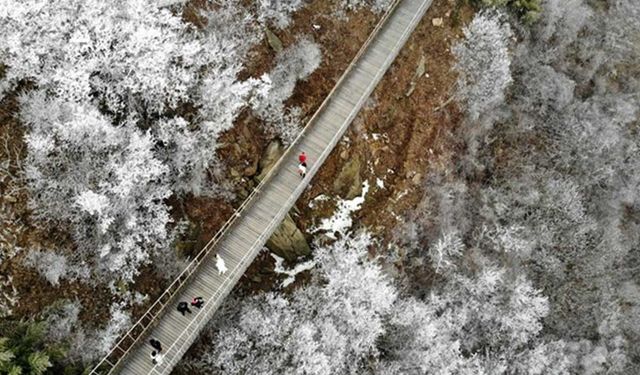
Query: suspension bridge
245, 233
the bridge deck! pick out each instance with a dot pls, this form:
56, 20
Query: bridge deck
245, 238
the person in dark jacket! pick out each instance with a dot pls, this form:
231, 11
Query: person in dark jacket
183, 307
156, 345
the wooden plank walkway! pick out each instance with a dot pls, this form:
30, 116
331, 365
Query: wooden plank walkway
263, 212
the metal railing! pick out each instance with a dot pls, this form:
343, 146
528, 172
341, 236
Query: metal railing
113, 359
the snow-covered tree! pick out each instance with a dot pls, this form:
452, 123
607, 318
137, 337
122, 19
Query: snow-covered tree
376, 6
468, 325
351, 320
445, 250
483, 63
54, 267
102, 180
106, 141
556, 198
294, 63
127, 55
277, 12
329, 326
136, 61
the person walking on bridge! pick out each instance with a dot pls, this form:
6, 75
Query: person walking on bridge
183, 308
302, 158
302, 170
156, 345
197, 302
302, 167
156, 358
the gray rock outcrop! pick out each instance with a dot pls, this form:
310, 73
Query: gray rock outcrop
288, 241
349, 182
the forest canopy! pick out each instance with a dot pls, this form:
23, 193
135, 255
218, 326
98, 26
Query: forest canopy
520, 256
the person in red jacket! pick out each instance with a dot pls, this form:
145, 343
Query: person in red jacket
302, 158
302, 167
197, 302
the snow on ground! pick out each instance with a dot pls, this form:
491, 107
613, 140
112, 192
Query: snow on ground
380, 183
291, 274
341, 220
402, 194
319, 198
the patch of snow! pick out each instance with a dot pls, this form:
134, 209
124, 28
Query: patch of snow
319, 198
380, 183
375, 136
390, 171
405, 192
397, 217
291, 274
341, 221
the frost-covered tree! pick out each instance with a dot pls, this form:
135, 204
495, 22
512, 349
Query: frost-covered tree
351, 320
277, 12
557, 196
102, 180
483, 63
54, 267
188, 149
478, 324
109, 138
329, 326
376, 6
445, 250
136, 62
294, 63
125, 54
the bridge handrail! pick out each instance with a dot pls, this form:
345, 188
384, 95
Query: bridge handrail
184, 275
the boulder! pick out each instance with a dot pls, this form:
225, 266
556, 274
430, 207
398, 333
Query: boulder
422, 67
271, 155
349, 183
417, 179
288, 241
273, 40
